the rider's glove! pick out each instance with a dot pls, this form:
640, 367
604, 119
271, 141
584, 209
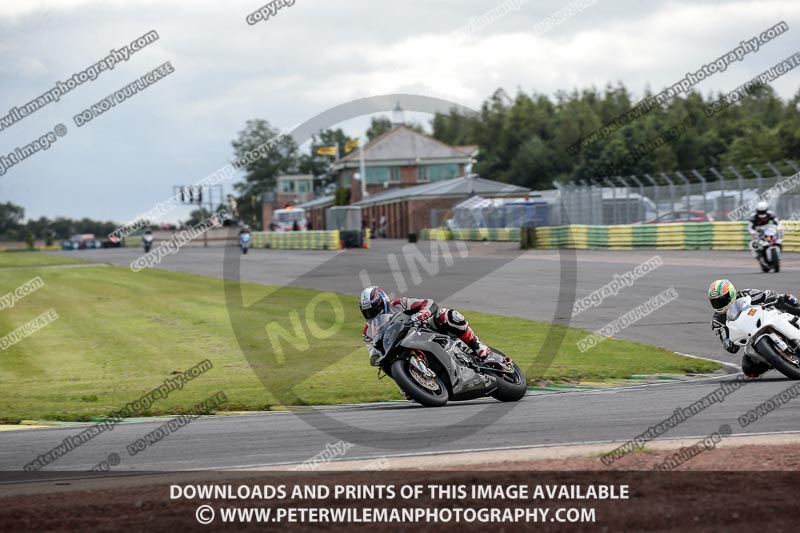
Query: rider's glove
792, 300
482, 351
730, 346
421, 317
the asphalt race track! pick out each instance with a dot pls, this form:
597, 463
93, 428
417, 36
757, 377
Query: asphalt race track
489, 277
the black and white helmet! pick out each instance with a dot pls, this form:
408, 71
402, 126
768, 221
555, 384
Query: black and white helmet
373, 302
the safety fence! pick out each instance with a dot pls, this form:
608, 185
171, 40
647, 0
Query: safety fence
677, 236
728, 194
471, 234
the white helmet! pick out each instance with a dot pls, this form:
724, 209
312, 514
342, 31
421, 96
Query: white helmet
762, 206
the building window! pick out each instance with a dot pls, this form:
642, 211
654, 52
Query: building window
302, 186
394, 174
377, 175
437, 172
287, 186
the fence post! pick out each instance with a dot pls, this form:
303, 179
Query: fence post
703, 182
627, 200
559, 204
775, 169
613, 199
688, 190
722, 190
642, 214
671, 192
755, 171
585, 191
655, 191
741, 183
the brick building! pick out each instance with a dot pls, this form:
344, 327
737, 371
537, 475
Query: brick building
315, 211
290, 189
408, 210
400, 158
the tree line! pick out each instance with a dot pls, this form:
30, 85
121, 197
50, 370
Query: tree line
524, 140
12, 227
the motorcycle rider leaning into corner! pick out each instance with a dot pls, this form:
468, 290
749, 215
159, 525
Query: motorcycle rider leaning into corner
424, 312
762, 217
722, 293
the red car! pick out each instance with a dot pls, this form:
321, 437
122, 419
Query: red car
680, 216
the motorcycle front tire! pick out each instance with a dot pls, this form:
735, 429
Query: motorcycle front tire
401, 374
510, 387
765, 348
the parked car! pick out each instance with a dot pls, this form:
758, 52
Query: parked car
680, 216
81, 241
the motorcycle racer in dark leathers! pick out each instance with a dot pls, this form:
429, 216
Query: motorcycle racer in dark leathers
424, 312
758, 220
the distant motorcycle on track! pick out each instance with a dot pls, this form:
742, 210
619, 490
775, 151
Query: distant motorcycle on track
432, 368
244, 241
147, 241
768, 248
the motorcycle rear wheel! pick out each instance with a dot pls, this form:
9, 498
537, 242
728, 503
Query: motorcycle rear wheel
401, 373
765, 348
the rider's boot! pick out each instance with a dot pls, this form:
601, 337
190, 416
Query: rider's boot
753, 369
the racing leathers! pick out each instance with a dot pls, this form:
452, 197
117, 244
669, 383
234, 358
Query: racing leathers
426, 312
758, 221
764, 298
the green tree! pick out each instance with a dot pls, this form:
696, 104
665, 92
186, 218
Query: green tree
378, 126
262, 172
198, 216
10, 218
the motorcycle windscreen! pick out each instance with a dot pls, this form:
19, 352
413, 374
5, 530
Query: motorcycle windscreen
392, 334
737, 307
375, 328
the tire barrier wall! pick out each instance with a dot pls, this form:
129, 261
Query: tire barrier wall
677, 236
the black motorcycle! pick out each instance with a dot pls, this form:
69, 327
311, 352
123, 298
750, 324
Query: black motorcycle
432, 368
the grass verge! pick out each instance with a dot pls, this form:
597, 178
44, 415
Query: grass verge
29, 258
120, 334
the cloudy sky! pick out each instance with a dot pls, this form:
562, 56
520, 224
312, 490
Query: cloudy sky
313, 56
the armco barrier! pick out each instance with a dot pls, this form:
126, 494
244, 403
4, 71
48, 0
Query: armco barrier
297, 240
678, 236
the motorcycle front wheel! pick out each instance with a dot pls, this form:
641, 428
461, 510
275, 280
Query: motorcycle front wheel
426, 391
511, 387
787, 367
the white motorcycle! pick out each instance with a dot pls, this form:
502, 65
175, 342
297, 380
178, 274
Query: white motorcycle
767, 335
768, 248
147, 241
